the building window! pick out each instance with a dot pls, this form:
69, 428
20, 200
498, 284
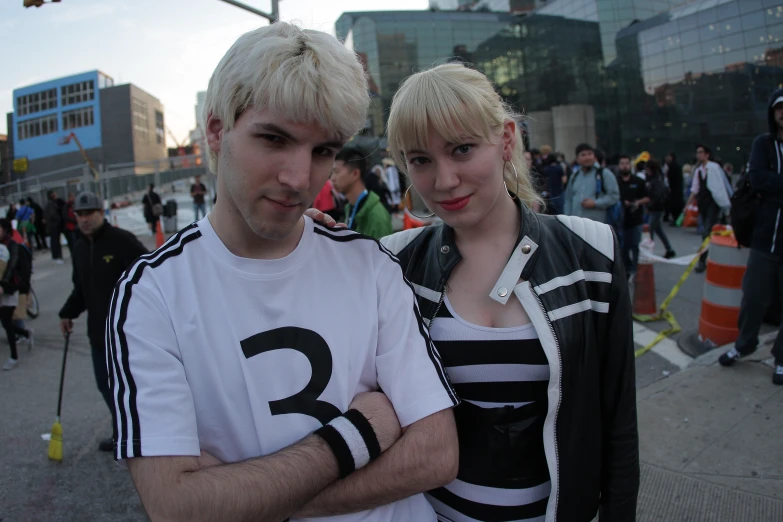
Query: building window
140, 123
36, 127
160, 128
79, 92
36, 102
78, 118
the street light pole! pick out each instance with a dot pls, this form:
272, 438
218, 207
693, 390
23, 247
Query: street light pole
274, 17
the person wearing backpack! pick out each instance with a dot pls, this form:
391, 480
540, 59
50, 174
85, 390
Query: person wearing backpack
763, 279
659, 199
710, 192
592, 191
10, 284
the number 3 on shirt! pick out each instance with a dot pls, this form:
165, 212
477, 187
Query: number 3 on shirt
312, 346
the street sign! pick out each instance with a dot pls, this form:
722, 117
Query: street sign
20, 165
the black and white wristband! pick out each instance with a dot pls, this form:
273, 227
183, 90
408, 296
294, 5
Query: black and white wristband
352, 440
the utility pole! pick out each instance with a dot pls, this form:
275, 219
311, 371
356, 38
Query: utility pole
274, 17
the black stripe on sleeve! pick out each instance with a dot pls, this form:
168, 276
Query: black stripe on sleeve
432, 352
124, 286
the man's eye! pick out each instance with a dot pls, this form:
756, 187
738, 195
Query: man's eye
324, 151
272, 138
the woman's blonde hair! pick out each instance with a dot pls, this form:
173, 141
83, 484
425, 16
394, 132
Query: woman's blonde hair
304, 75
455, 100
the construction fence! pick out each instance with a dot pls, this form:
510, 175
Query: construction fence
114, 183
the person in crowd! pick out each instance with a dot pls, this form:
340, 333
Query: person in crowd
54, 215
633, 194
502, 287
546, 152
39, 220
153, 208
198, 191
11, 214
658, 194
673, 173
10, 284
325, 201
101, 254
393, 182
70, 223
25, 221
259, 420
591, 190
364, 212
709, 191
763, 281
552, 194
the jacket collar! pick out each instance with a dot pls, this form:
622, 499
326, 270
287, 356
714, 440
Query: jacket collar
521, 260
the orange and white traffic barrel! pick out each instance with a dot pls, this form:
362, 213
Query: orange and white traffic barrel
720, 305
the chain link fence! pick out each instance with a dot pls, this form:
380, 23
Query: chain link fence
115, 184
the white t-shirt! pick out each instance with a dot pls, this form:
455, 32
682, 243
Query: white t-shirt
6, 299
206, 350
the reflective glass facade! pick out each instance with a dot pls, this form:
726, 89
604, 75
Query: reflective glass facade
661, 75
702, 72
393, 45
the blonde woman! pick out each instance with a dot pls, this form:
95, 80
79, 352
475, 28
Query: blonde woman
530, 314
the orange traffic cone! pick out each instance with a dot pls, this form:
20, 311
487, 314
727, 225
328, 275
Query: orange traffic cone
159, 239
644, 284
409, 222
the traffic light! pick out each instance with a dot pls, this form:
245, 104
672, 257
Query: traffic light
31, 3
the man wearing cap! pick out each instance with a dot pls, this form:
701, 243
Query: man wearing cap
100, 256
764, 276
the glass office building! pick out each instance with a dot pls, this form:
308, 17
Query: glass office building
700, 73
661, 75
393, 45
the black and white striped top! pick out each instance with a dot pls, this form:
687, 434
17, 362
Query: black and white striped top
501, 375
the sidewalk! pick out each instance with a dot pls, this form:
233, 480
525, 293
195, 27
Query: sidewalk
710, 443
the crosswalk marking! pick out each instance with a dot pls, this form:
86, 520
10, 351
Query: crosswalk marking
666, 348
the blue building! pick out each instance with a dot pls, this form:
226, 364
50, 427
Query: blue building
45, 112
114, 124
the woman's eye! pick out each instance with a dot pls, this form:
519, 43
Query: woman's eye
463, 149
418, 161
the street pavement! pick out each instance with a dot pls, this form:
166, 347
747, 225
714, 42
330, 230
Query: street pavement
709, 436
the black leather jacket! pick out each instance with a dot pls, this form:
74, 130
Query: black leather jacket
575, 292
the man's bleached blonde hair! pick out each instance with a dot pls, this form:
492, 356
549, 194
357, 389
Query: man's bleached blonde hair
300, 74
457, 101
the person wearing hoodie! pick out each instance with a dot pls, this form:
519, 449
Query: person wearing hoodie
710, 190
763, 279
364, 213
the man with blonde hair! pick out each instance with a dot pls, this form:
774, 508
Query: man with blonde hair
243, 397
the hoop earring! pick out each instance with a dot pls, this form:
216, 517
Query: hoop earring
516, 175
407, 199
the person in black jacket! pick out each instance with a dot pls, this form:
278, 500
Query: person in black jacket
100, 257
53, 214
11, 282
763, 280
659, 198
530, 315
152, 208
673, 173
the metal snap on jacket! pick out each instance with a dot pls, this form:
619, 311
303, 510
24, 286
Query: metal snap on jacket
525, 249
502, 291
444, 249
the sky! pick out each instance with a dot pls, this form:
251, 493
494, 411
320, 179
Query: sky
168, 48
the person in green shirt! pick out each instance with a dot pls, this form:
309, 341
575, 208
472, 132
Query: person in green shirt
364, 212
